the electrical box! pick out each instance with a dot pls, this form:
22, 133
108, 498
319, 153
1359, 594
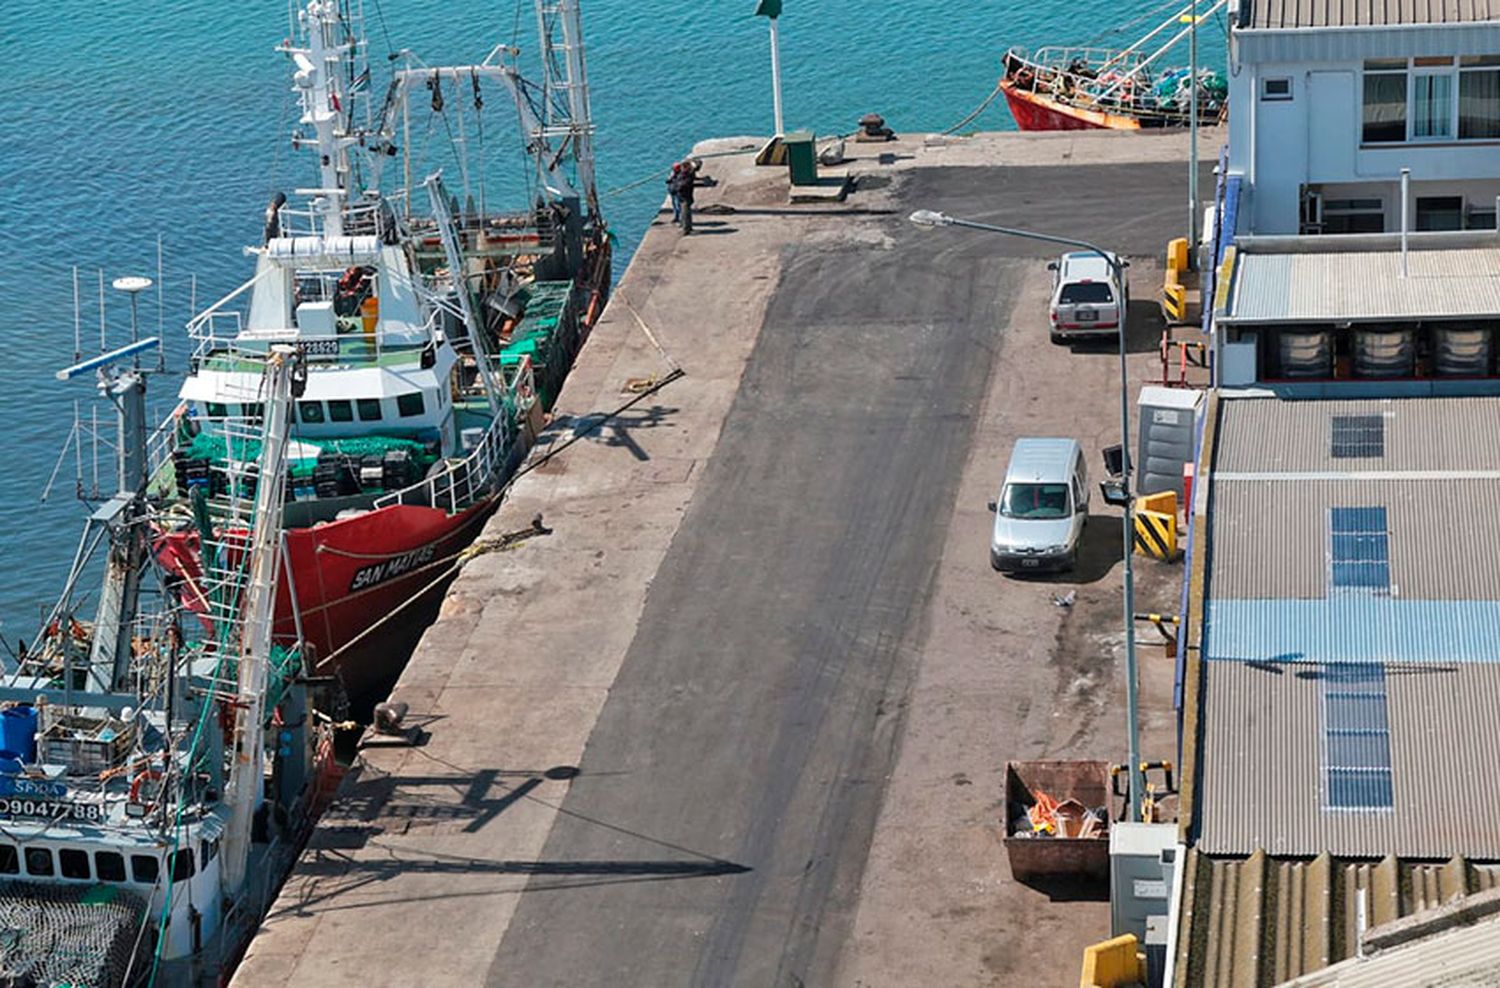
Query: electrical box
1169, 419
316, 319
802, 157
1142, 862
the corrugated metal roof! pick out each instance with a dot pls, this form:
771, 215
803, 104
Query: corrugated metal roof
1262, 920
1368, 13
1262, 780
1367, 286
1278, 615
1466, 956
1272, 541
1272, 436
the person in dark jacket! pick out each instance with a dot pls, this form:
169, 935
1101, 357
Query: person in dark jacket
687, 181
673, 184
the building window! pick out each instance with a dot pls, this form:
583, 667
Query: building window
340, 411
1385, 101
1431, 99
144, 868
410, 405
74, 863
310, 412
1353, 216
1482, 217
109, 866
1432, 102
38, 862
369, 409
1273, 90
1479, 98
1440, 213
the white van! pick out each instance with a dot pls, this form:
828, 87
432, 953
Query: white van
1042, 507
1086, 301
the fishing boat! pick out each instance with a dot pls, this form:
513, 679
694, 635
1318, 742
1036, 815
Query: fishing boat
435, 330
159, 770
1091, 88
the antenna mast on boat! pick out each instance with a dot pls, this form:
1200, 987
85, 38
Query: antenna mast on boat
567, 118
325, 100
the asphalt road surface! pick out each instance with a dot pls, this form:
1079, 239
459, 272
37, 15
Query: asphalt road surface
731, 783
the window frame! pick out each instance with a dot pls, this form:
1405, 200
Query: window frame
155, 867
363, 405
115, 856
1413, 79
303, 406
1455, 69
76, 855
51, 871
1267, 96
337, 405
401, 405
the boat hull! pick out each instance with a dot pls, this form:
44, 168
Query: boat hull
1037, 111
360, 583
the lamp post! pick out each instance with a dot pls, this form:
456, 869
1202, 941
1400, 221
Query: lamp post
931, 218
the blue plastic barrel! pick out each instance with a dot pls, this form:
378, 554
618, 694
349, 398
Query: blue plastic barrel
18, 732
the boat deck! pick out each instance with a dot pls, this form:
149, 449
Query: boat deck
742, 717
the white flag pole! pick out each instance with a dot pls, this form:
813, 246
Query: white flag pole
776, 78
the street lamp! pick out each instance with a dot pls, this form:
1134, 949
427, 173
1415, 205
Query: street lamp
932, 218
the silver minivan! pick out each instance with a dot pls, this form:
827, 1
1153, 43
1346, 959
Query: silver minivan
1086, 301
1042, 507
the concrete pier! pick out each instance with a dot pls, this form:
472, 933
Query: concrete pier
742, 717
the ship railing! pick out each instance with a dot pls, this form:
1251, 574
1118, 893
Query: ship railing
461, 483
379, 217
163, 441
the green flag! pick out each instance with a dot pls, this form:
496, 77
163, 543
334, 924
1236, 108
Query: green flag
768, 8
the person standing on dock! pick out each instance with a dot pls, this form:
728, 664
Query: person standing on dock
673, 178
687, 181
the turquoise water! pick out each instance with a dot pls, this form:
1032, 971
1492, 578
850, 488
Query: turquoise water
123, 120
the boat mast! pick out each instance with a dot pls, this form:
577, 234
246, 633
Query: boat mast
324, 97
243, 792
565, 83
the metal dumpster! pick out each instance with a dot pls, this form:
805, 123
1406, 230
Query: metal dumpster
1056, 857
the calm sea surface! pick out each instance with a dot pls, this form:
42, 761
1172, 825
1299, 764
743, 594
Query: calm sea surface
122, 120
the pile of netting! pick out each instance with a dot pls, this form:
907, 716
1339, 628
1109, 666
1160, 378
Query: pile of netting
215, 449
66, 934
1173, 89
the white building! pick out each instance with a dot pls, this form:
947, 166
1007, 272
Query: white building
1330, 99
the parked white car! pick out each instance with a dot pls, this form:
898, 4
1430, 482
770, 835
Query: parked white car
1087, 303
1042, 508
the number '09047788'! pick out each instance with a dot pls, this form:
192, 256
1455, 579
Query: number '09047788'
51, 809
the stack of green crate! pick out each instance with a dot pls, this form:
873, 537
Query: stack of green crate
547, 334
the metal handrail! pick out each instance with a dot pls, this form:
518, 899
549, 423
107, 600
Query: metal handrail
454, 487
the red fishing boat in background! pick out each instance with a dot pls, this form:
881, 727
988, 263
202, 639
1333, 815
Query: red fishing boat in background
1063, 88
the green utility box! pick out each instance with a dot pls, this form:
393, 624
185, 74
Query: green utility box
802, 157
